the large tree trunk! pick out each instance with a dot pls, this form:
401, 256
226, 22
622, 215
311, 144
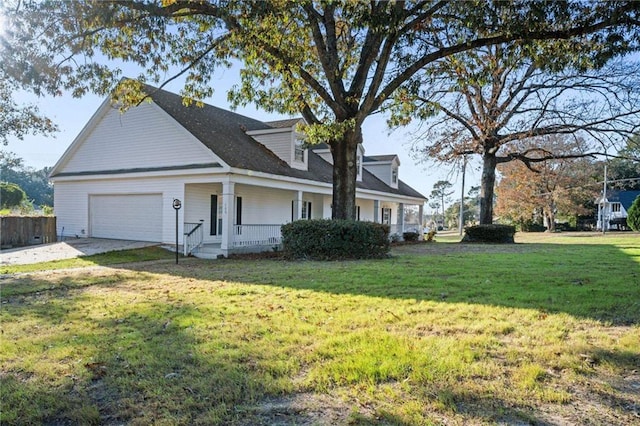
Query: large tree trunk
487, 185
344, 153
550, 217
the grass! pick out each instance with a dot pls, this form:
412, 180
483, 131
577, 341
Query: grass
102, 259
547, 331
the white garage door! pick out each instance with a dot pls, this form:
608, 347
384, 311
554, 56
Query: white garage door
126, 217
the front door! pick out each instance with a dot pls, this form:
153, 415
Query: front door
215, 224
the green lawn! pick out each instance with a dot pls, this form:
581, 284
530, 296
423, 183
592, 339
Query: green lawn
102, 259
546, 331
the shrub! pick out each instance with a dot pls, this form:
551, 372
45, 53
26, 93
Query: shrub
530, 226
324, 239
633, 215
395, 238
565, 227
489, 234
11, 195
410, 236
431, 235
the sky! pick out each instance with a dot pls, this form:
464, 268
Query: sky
71, 115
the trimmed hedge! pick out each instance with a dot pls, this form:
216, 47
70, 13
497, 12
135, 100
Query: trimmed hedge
532, 227
489, 234
325, 239
410, 236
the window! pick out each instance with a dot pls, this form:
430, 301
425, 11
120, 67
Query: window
386, 215
299, 151
306, 210
394, 175
359, 166
615, 207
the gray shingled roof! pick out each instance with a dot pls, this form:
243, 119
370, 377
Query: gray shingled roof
373, 158
284, 124
224, 133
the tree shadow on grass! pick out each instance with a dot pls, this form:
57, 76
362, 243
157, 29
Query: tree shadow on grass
586, 281
143, 362
99, 362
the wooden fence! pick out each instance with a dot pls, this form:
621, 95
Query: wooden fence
17, 231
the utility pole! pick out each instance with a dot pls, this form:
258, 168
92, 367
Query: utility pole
464, 168
604, 201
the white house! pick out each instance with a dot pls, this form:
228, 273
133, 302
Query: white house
238, 179
612, 210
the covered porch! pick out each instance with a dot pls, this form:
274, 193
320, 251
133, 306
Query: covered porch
225, 217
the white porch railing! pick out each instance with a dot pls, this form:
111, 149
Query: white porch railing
193, 237
256, 235
412, 227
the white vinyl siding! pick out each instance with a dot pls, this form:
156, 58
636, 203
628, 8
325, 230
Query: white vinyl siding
264, 205
280, 143
325, 154
283, 144
366, 209
126, 217
142, 137
198, 206
380, 170
384, 170
71, 201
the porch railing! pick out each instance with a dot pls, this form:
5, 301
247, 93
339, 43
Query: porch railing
193, 237
256, 235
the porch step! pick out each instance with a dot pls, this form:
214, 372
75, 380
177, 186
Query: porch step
207, 251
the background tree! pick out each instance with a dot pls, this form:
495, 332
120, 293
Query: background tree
336, 63
633, 215
623, 171
441, 192
487, 100
11, 195
35, 183
470, 214
563, 187
19, 120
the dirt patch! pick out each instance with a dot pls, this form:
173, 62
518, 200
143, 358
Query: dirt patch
302, 409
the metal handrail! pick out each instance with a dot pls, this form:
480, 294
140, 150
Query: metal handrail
192, 238
198, 225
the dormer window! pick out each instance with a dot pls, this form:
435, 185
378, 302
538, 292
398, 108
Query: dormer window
359, 167
298, 154
394, 176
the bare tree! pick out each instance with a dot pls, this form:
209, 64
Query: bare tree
485, 102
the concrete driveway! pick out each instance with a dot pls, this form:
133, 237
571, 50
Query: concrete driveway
66, 250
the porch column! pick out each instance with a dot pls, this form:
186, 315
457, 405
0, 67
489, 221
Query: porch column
297, 206
228, 196
376, 211
400, 219
420, 218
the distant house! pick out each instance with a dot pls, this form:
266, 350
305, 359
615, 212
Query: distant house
612, 211
238, 179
